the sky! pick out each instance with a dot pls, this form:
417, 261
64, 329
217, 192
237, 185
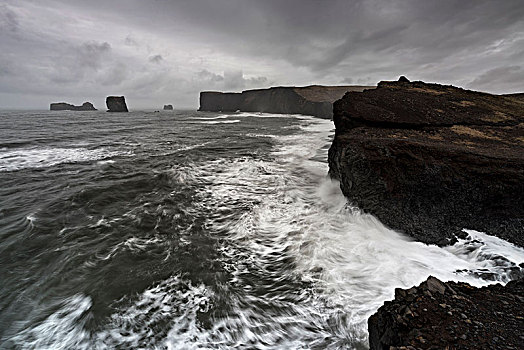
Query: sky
157, 52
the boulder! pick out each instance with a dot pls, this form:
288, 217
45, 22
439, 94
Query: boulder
449, 315
168, 107
116, 104
62, 106
429, 160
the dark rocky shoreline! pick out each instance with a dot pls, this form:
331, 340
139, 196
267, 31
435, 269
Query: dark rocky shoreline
429, 160
437, 315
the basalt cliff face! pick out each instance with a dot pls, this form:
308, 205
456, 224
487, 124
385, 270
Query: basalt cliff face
312, 100
62, 106
116, 104
437, 315
429, 160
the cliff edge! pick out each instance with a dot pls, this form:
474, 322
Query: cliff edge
315, 100
429, 160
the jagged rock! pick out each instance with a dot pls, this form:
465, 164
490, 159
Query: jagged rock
116, 104
62, 106
462, 317
312, 100
168, 107
430, 160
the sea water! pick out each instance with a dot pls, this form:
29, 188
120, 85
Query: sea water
188, 230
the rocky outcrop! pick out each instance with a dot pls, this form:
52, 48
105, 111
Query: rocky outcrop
437, 315
62, 106
116, 104
430, 160
312, 100
168, 107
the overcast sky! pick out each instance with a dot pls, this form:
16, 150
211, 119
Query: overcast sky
166, 51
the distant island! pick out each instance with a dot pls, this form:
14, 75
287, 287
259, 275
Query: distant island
315, 100
168, 107
62, 106
116, 104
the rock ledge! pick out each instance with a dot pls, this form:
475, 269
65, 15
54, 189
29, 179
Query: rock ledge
438, 315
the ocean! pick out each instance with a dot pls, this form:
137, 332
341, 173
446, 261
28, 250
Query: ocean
193, 230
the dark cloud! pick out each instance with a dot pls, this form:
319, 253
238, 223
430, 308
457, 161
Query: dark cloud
8, 19
92, 53
130, 41
156, 59
73, 64
88, 47
231, 80
206, 75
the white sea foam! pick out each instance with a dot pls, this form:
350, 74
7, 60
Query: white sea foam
222, 116
174, 301
63, 329
16, 159
353, 261
222, 121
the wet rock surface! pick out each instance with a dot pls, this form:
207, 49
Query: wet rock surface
438, 315
63, 106
429, 160
116, 104
312, 100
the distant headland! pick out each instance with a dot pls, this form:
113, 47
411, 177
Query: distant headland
315, 100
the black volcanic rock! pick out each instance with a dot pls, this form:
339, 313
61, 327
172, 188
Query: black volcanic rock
430, 160
168, 107
116, 104
62, 106
438, 315
403, 79
312, 100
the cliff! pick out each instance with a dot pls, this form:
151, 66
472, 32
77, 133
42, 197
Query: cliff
62, 106
429, 160
116, 104
312, 100
437, 315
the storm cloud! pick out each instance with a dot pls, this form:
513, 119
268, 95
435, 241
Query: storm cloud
162, 51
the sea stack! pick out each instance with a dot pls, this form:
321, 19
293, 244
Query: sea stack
116, 104
430, 160
168, 107
62, 106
